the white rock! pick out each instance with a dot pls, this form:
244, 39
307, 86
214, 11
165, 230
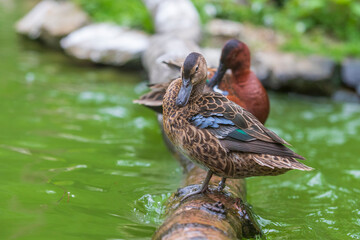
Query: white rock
212, 56
50, 20
106, 43
176, 17
166, 48
310, 75
224, 28
152, 4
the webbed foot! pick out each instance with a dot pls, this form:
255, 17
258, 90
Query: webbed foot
221, 184
203, 188
200, 191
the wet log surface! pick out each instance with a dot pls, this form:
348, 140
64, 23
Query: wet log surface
212, 215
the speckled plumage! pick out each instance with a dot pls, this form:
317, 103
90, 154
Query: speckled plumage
211, 146
154, 98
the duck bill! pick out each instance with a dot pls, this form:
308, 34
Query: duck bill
184, 93
216, 79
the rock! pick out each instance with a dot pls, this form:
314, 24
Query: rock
51, 20
261, 71
106, 43
224, 28
166, 48
259, 38
350, 73
343, 95
176, 17
242, 2
311, 75
212, 56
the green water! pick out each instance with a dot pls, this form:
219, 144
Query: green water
79, 161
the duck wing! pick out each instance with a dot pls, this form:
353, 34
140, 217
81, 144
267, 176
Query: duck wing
236, 128
154, 98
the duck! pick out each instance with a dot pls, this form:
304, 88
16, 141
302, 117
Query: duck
154, 98
240, 85
219, 135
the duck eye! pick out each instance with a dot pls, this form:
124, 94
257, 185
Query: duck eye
197, 68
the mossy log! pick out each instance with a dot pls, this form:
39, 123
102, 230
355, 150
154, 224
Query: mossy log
212, 215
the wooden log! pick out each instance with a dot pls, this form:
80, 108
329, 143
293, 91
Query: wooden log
213, 215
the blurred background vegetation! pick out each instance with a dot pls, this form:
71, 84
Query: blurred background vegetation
325, 27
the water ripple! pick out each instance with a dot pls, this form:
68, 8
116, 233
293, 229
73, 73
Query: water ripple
130, 163
17, 149
354, 173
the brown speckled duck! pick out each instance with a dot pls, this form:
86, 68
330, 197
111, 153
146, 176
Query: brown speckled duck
240, 84
218, 134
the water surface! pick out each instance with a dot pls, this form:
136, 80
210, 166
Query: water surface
79, 161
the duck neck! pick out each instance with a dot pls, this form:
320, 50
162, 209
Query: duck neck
242, 63
239, 74
197, 90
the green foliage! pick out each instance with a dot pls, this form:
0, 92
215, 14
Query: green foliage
128, 13
328, 27
340, 18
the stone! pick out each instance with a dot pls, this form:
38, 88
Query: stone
224, 28
345, 95
166, 48
350, 73
177, 17
212, 56
106, 43
51, 20
259, 38
262, 71
309, 75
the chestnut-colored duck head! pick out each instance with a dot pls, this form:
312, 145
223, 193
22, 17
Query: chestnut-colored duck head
235, 55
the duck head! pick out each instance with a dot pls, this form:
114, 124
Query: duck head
193, 75
235, 55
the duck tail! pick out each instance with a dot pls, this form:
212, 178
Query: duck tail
173, 64
280, 162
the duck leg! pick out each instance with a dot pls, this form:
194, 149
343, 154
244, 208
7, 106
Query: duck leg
221, 184
204, 186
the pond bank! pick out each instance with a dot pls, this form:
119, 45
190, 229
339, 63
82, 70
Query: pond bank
115, 45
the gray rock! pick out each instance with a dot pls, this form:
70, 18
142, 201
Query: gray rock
176, 17
257, 38
350, 73
224, 28
166, 48
212, 56
309, 75
51, 20
343, 95
106, 43
261, 71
